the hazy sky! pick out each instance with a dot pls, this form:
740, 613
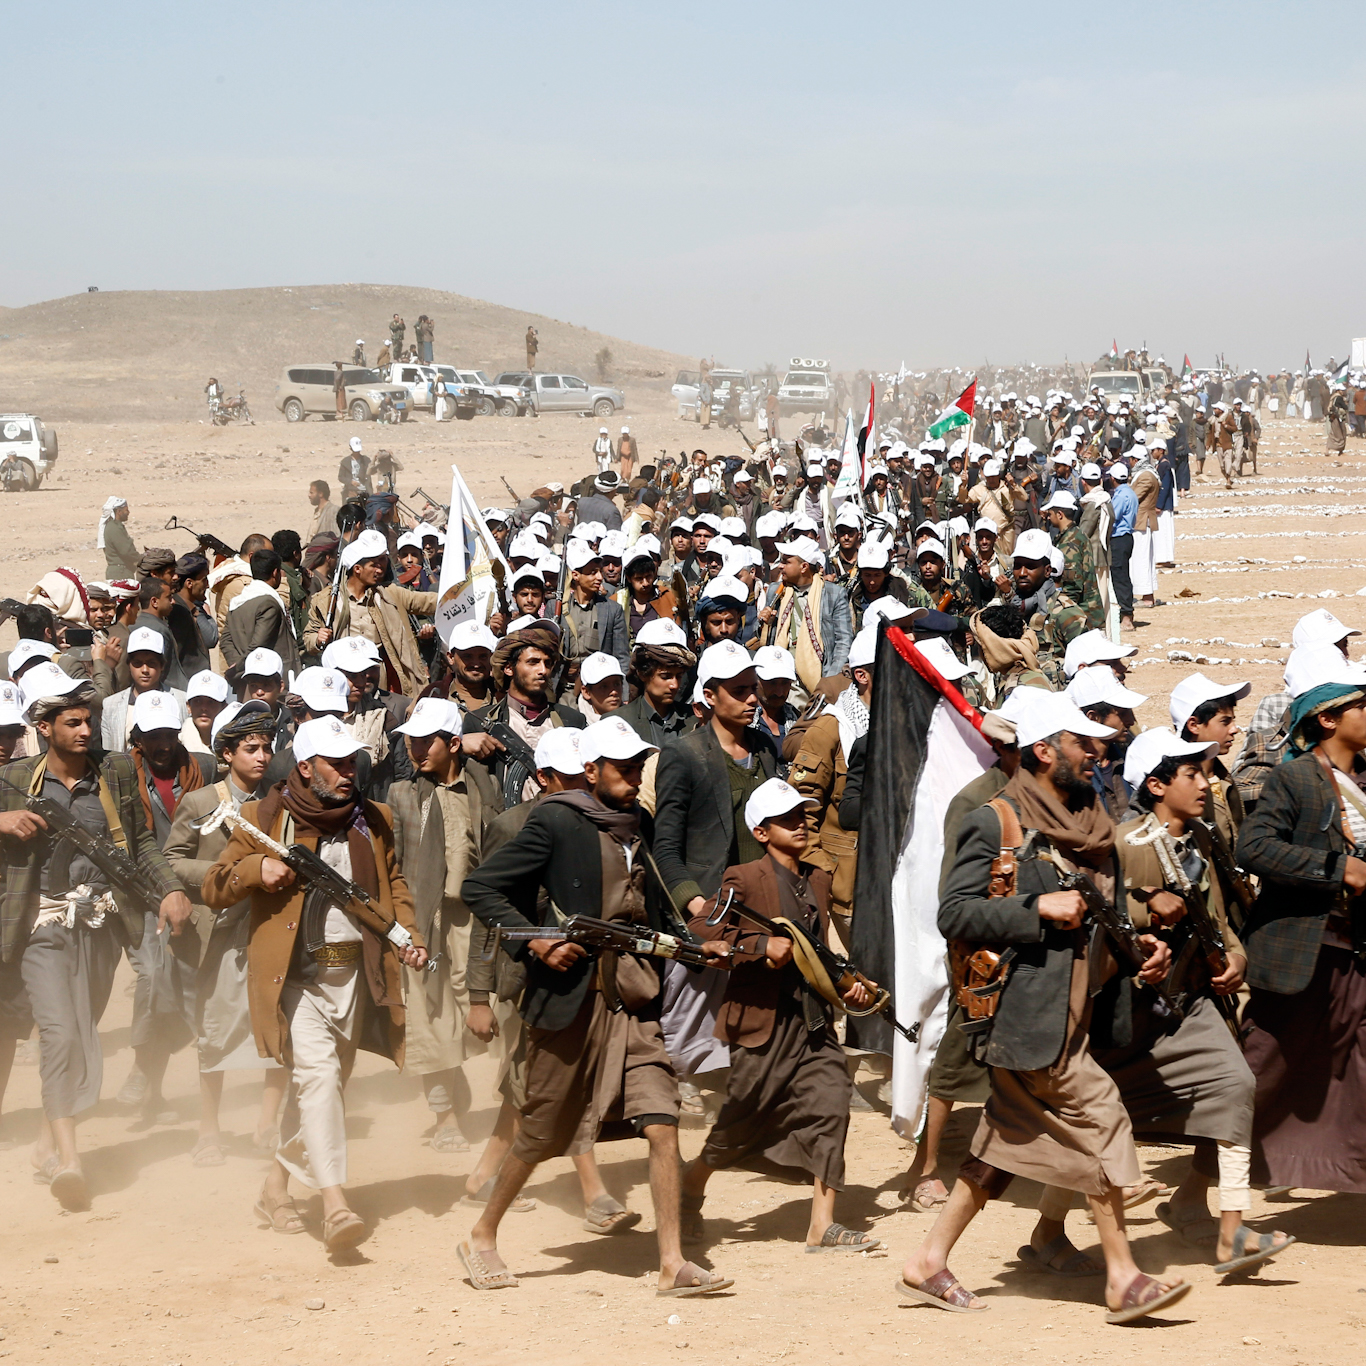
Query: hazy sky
869, 183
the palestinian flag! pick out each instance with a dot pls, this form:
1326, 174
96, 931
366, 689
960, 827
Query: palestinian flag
1114, 349
924, 747
957, 414
1186, 366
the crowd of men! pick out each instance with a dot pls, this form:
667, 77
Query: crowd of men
598, 830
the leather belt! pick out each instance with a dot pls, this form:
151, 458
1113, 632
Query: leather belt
338, 955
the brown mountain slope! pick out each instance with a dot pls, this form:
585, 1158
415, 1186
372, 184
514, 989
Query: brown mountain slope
148, 353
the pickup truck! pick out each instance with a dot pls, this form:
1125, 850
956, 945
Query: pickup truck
570, 394
1119, 386
28, 451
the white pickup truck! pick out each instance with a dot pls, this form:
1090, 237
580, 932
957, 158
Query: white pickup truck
28, 451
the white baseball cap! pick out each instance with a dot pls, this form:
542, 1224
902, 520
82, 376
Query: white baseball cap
1032, 545
681, 523
432, 715
772, 662
742, 477
932, 546
661, 631
1149, 749
1190, 692
724, 586
890, 609
1309, 666
938, 651
263, 663
723, 660
986, 524
1119, 473
863, 649
709, 520
27, 650
323, 689
11, 705
355, 444
580, 554
769, 525
701, 485
46, 680
611, 738
528, 573
156, 711
474, 635
325, 736
1096, 683
206, 683
600, 665
612, 545
990, 468
369, 545
351, 654
558, 749
1050, 713
849, 515
526, 545
1091, 472
144, 638
803, 547
1061, 499
1317, 627
874, 555
773, 798
1093, 647
733, 527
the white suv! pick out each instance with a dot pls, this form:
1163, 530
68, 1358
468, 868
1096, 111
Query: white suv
28, 451
806, 387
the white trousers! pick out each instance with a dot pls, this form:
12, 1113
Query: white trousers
1164, 550
1143, 565
322, 1019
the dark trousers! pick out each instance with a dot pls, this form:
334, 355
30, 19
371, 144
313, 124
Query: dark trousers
1121, 547
1182, 472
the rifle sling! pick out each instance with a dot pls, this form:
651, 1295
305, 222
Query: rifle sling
111, 811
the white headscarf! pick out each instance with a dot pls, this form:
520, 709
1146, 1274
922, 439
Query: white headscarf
111, 505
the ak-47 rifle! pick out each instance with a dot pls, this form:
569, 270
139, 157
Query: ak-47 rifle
745, 439
828, 973
512, 491
205, 539
118, 865
8, 607
1234, 878
349, 517
1120, 929
422, 493
314, 873
611, 936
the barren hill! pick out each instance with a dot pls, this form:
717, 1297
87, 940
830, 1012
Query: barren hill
148, 353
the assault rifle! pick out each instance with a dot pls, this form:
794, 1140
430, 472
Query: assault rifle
1120, 929
117, 865
679, 585
1213, 951
510, 489
1227, 867
205, 539
610, 936
314, 873
828, 973
8, 607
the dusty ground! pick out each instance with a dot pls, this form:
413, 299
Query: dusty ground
168, 1266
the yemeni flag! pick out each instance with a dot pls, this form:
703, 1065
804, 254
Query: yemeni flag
924, 746
1114, 349
1186, 366
957, 414
866, 449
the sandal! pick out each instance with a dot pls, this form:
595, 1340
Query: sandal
607, 1215
44, 1171
267, 1142
1146, 1296
69, 1188
521, 1204
344, 1229
283, 1218
1266, 1248
690, 1280
943, 1291
1045, 1258
1145, 1190
692, 1227
208, 1152
482, 1273
449, 1140
1198, 1231
837, 1238
924, 1199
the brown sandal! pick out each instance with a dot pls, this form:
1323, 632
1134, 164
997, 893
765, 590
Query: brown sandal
483, 1275
943, 1291
608, 1215
344, 1229
282, 1218
691, 1280
1146, 1296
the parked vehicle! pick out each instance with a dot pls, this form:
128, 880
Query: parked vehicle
806, 387
28, 451
685, 391
1118, 385
516, 391
306, 389
570, 394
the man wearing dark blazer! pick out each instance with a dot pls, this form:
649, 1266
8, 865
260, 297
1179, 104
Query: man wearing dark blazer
595, 1051
1303, 1023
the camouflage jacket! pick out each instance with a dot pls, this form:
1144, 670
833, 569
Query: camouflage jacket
1062, 622
1078, 579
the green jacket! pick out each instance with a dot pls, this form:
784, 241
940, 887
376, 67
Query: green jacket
1063, 622
1078, 579
24, 858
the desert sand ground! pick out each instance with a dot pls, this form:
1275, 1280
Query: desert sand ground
168, 1266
